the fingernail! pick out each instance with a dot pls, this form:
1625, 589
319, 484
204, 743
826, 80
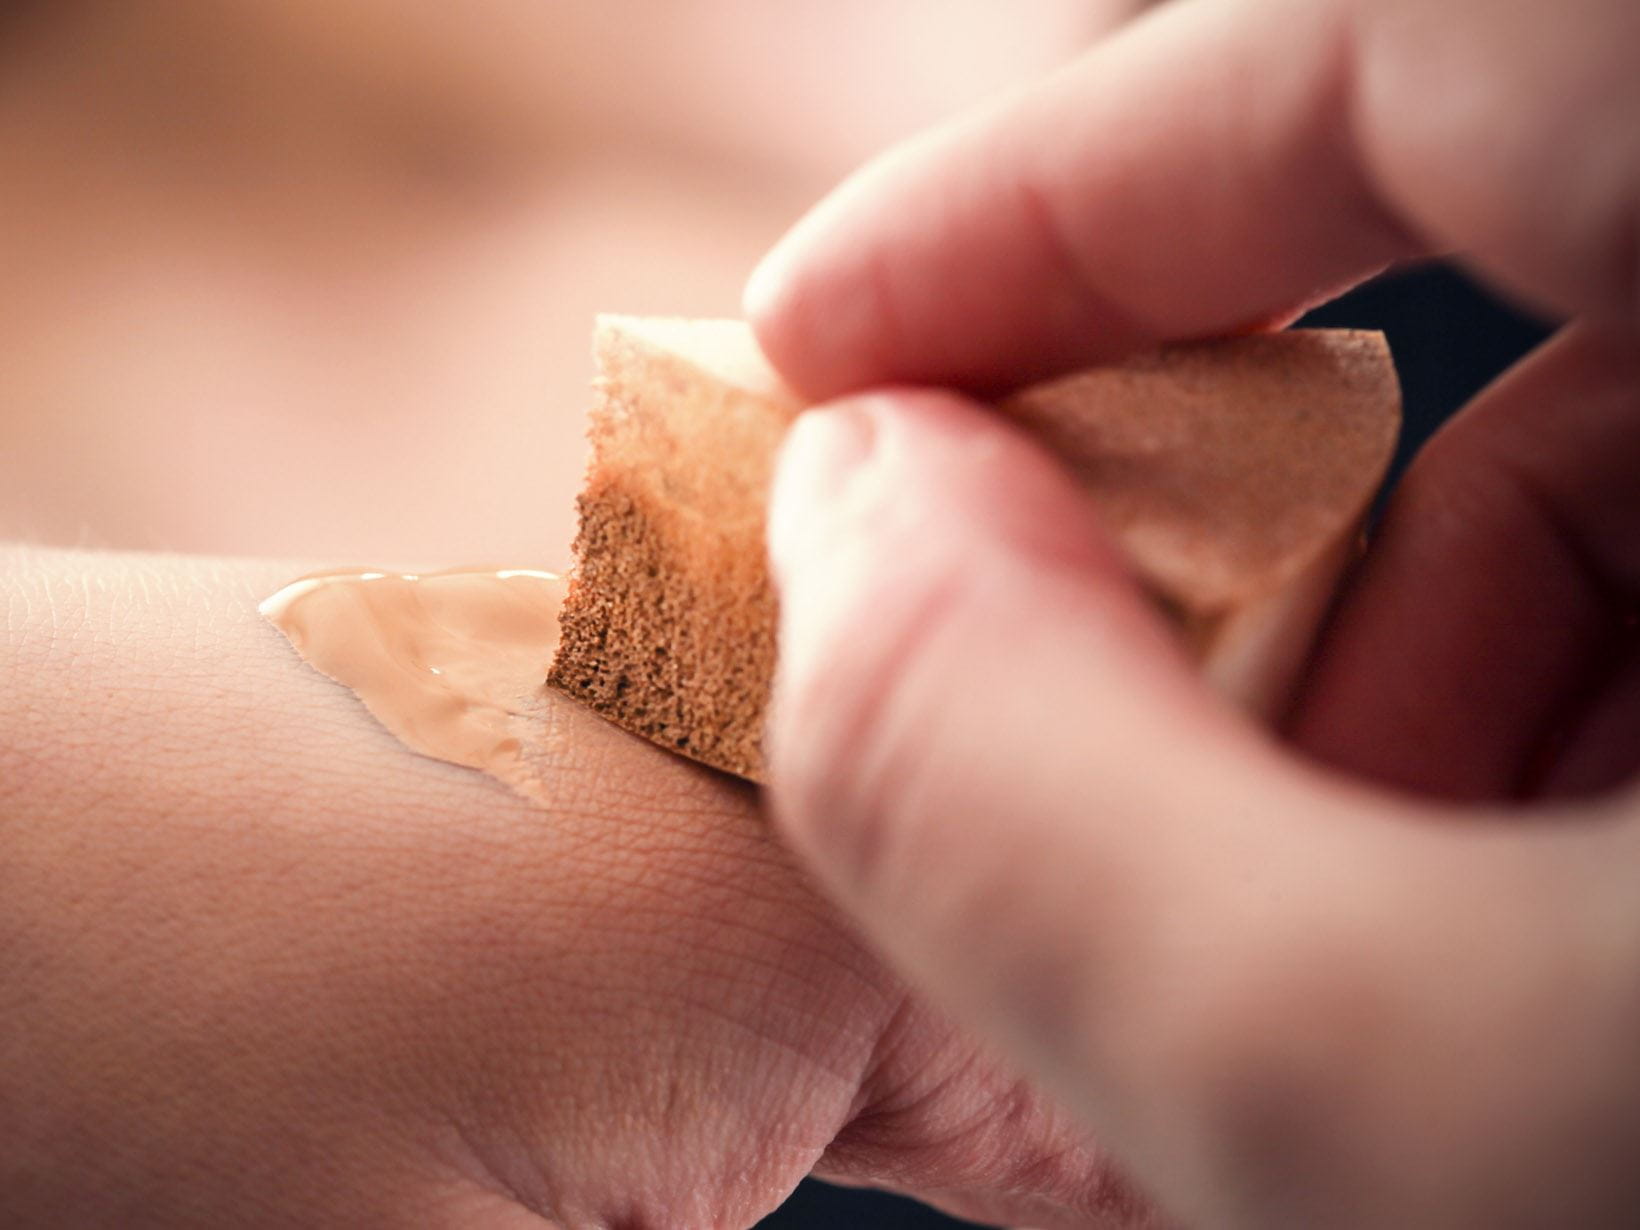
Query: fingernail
819, 460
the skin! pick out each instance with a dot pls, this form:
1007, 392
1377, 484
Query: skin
1382, 971
266, 967
350, 240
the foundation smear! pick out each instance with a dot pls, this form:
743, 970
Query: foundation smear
452, 663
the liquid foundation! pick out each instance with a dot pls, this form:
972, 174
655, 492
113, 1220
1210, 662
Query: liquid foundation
449, 662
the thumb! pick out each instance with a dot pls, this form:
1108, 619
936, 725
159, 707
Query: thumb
1238, 970
984, 739
976, 709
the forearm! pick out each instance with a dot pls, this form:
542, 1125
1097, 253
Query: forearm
260, 965
255, 955
150, 684
201, 842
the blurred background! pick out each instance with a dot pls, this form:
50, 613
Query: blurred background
315, 278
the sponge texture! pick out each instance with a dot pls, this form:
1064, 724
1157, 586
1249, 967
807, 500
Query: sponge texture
1233, 473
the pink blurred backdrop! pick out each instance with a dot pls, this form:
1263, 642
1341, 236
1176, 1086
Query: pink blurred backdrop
316, 278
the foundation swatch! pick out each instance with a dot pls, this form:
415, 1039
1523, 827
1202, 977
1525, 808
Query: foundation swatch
452, 663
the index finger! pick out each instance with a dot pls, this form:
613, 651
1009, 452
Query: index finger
1214, 165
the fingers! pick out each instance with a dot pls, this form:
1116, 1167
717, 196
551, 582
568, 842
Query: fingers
1492, 619
1506, 129
986, 1146
1272, 996
1189, 176
1212, 166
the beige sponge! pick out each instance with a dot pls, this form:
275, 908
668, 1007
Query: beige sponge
1234, 473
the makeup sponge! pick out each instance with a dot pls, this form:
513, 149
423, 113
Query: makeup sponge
1233, 473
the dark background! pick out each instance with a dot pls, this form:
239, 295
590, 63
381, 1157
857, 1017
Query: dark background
1449, 338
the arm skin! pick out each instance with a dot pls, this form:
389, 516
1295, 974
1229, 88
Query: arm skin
260, 965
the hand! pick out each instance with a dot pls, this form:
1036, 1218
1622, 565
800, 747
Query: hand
262, 966
1387, 973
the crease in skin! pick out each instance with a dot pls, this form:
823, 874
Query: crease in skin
452, 663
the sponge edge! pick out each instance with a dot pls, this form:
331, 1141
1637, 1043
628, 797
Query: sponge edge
669, 623
1233, 473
